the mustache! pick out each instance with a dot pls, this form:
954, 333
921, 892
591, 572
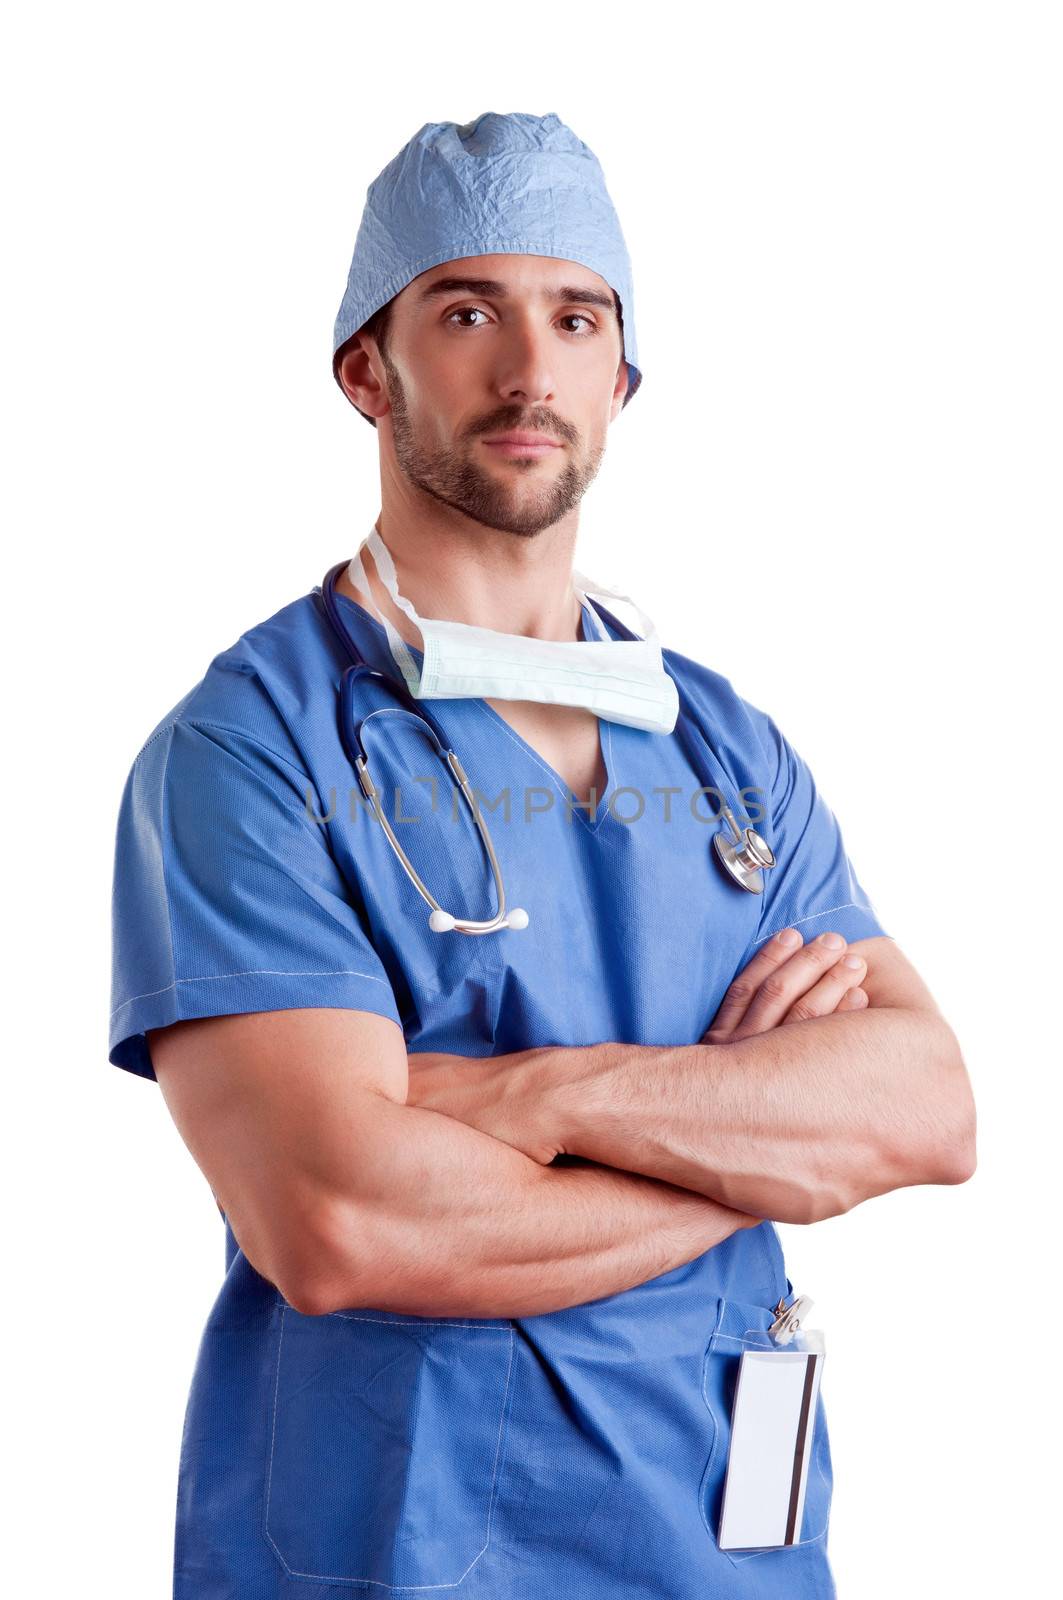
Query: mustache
540, 422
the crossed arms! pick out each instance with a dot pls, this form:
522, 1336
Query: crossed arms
353, 1174
788, 1115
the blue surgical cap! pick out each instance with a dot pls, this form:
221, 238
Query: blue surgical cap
508, 184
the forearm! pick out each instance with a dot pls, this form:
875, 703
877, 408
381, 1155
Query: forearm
442, 1219
799, 1123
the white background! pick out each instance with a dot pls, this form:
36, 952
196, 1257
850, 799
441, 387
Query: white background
839, 485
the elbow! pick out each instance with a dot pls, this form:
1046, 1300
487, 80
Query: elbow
958, 1160
947, 1151
313, 1289
313, 1294
306, 1301
956, 1153
317, 1273
928, 1137
949, 1156
307, 1287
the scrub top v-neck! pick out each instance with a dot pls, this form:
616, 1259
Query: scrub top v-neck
582, 1450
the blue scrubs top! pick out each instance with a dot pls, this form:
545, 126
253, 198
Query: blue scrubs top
580, 1452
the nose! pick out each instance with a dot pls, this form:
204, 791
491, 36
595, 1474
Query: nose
525, 370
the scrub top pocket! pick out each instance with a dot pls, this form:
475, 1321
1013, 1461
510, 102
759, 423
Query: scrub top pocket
719, 1376
386, 1444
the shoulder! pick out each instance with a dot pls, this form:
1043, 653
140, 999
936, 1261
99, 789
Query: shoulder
745, 728
257, 688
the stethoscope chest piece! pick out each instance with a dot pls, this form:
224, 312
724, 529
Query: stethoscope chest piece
745, 860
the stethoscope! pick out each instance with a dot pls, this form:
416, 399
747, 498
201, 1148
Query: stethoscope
744, 857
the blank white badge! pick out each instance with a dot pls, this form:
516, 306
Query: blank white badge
771, 1437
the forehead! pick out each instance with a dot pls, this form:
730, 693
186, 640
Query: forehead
546, 277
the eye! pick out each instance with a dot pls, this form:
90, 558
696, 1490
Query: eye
577, 316
467, 311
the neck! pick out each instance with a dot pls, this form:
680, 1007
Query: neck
459, 571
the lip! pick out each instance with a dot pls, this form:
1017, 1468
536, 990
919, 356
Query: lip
523, 443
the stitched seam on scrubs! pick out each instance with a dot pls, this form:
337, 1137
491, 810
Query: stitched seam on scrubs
250, 738
221, 727
253, 972
847, 906
165, 820
155, 736
426, 1322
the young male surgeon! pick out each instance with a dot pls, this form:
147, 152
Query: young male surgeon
499, 1204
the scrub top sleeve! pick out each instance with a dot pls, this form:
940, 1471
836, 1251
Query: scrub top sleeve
226, 896
813, 886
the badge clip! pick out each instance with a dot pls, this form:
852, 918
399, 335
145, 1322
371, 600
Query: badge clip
788, 1318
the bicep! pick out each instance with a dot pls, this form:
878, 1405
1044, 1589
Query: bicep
891, 980
272, 1106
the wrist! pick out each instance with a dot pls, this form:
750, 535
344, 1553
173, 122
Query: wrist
583, 1088
552, 1083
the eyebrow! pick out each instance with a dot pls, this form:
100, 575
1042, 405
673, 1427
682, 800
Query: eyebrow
492, 289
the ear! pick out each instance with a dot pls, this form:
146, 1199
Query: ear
619, 390
359, 375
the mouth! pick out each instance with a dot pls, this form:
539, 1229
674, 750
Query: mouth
517, 445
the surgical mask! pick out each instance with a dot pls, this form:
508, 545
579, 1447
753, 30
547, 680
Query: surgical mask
620, 680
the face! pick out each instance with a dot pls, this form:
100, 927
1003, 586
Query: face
502, 344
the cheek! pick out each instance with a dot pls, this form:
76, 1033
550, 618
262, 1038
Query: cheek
439, 404
592, 398
594, 428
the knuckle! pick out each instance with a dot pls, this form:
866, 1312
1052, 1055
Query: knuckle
741, 990
774, 987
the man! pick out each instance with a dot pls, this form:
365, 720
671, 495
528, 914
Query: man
498, 1206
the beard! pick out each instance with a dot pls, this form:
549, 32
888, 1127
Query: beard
452, 478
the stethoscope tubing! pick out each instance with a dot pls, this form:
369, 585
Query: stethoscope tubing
742, 859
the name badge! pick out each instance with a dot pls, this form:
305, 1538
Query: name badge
771, 1436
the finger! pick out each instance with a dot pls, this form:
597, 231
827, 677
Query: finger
854, 1000
787, 984
824, 997
736, 1001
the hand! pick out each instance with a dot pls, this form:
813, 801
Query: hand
789, 983
494, 1094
